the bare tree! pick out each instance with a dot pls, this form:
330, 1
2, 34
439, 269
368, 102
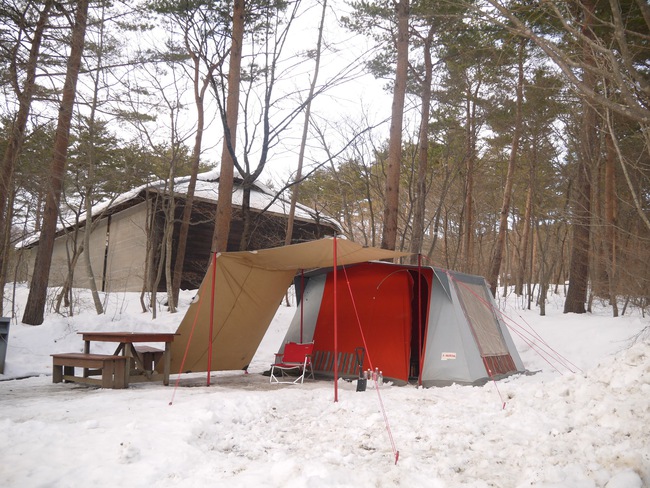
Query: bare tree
229, 117
417, 237
17, 131
612, 44
610, 221
495, 267
35, 306
389, 235
203, 35
579, 267
268, 110
172, 153
305, 129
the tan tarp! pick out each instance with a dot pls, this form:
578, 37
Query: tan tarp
248, 289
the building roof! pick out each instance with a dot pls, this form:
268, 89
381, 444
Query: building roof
207, 189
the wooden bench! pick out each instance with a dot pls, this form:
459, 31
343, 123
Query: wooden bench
149, 356
112, 369
347, 363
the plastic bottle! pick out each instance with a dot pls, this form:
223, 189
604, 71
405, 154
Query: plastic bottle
380, 381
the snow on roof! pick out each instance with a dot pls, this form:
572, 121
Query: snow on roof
207, 189
261, 198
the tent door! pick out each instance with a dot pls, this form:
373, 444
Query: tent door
419, 306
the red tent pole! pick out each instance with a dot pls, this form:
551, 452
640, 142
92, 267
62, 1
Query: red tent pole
336, 324
302, 301
420, 365
214, 279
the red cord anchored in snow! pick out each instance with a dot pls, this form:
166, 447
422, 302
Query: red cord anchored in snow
374, 377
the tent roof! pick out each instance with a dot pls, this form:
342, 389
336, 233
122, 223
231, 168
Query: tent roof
310, 255
248, 288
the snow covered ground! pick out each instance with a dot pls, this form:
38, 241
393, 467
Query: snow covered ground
585, 429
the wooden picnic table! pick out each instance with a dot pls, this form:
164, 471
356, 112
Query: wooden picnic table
141, 359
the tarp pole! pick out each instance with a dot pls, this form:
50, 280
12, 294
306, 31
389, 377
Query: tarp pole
420, 347
214, 279
302, 300
336, 324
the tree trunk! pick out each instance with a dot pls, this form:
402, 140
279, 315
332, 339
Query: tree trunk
65, 293
417, 237
199, 96
164, 254
391, 205
17, 132
561, 268
159, 272
468, 213
579, 261
92, 284
201, 83
5, 238
610, 221
579, 267
169, 239
35, 306
527, 222
545, 268
532, 270
224, 199
16, 139
150, 226
495, 266
245, 216
170, 219
305, 129
525, 238
437, 214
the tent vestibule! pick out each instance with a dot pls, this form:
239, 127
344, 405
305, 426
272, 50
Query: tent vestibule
240, 295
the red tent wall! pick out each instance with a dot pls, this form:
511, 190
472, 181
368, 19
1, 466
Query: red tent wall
383, 299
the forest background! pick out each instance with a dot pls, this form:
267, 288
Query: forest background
511, 138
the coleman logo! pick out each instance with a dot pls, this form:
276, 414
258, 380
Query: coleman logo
448, 355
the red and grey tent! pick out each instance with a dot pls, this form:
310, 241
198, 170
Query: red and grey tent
423, 324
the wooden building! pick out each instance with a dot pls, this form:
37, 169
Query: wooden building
126, 234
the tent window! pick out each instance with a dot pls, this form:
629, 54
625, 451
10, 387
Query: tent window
481, 319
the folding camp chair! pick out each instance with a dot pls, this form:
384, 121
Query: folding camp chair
295, 357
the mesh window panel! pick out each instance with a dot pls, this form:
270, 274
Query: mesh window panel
481, 319
499, 364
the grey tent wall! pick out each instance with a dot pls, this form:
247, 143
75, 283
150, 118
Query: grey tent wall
491, 306
311, 299
448, 334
